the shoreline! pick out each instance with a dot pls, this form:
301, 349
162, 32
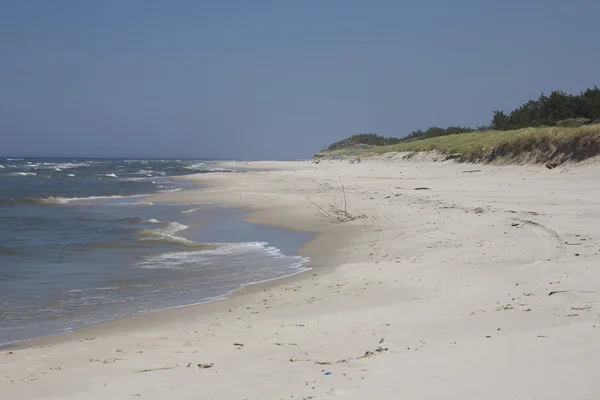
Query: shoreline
124, 324
457, 281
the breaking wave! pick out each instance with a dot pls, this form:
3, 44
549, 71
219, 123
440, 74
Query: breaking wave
232, 261
23, 174
61, 200
167, 234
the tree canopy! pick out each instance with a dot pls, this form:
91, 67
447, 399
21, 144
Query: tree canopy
551, 110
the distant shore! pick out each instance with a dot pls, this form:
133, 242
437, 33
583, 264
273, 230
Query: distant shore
480, 277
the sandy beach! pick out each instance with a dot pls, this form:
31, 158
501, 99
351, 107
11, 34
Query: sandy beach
455, 281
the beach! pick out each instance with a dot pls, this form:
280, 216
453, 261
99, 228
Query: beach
81, 244
456, 281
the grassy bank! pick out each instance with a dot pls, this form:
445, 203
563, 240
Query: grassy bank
535, 145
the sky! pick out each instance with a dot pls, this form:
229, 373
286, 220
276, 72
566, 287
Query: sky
274, 79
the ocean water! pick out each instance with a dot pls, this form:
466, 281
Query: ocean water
80, 244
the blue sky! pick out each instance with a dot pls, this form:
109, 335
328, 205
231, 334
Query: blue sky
274, 79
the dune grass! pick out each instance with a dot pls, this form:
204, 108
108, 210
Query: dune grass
535, 145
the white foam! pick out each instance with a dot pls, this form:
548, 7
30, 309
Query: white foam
168, 233
175, 227
111, 175
66, 200
63, 166
23, 173
71, 175
267, 259
154, 221
56, 166
171, 190
219, 170
196, 166
200, 166
190, 211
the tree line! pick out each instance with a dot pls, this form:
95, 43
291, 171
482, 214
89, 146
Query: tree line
371, 139
559, 108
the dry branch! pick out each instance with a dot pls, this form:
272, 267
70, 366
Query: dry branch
337, 210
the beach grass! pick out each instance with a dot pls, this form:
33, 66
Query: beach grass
530, 145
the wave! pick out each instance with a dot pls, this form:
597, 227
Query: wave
111, 175
244, 247
2, 166
72, 165
136, 161
233, 256
63, 166
190, 211
171, 190
138, 220
58, 167
219, 170
14, 159
149, 172
202, 167
168, 234
146, 172
132, 220
23, 174
195, 166
66, 200
111, 288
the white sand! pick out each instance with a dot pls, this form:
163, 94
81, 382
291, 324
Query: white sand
449, 288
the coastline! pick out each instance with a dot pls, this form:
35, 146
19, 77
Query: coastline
460, 278
317, 264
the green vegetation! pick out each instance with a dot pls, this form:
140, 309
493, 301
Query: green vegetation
557, 109
434, 131
548, 144
553, 128
369, 139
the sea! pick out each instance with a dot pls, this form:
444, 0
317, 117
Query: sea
80, 244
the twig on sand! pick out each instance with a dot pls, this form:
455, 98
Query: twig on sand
336, 211
155, 369
557, 291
